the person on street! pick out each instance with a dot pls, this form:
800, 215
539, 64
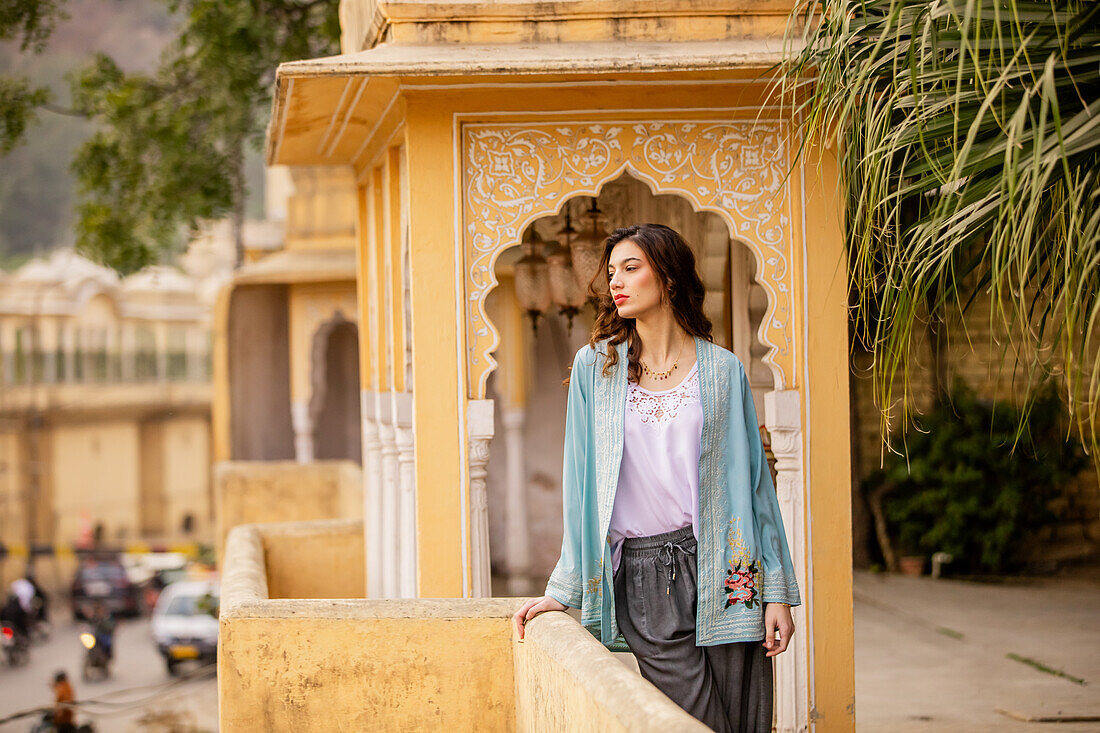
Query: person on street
17, 611
41, 601
64, 719
103, 628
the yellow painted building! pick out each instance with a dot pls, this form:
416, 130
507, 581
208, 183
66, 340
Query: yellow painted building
104, 408
286, 344
456, 129
287, 425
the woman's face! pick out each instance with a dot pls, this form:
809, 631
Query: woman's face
635, 286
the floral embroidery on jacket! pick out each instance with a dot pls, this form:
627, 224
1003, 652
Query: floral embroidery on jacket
742, 584
595, 583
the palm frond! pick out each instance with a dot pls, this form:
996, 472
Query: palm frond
968, 135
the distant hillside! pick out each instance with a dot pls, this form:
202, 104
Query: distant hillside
37, 191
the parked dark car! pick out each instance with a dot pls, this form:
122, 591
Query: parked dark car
104, 579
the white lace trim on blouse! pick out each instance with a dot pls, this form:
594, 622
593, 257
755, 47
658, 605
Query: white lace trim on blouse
661, 408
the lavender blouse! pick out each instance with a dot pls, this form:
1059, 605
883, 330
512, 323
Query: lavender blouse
658, 489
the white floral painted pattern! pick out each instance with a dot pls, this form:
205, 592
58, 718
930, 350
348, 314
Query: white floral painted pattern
516, 172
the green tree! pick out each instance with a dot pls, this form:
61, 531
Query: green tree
968, 134
963, 492
170, 146
28, 23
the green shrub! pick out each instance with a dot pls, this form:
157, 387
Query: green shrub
965, 490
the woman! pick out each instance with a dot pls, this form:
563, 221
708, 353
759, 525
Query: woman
673, 545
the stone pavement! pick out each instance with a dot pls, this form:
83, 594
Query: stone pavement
933, 655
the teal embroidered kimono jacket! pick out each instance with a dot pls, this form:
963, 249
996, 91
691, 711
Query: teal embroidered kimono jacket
743, 558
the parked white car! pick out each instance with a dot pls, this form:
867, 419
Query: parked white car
185, 622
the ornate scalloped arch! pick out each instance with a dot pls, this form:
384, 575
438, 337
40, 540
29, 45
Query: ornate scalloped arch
515, 173
318, 361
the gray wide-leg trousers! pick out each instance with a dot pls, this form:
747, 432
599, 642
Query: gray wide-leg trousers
729, 686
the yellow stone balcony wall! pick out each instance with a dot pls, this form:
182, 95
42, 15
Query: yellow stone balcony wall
299, 652
251, 492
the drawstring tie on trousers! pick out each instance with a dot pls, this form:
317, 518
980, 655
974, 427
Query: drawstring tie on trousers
664, 555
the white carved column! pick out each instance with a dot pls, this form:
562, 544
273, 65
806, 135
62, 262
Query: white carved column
783, 417
114, 358
517, 542
406, 480
8, 355
48, 349
67, 337
372, 493
196, 353
302, 423
160, 333
128, 347
391, 550
480, 427
87, 347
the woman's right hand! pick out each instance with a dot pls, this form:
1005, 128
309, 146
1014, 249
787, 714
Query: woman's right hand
533, 607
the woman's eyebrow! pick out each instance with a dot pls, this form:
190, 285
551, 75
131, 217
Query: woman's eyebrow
628, 259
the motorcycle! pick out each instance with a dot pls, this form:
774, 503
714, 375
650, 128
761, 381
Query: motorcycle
40, 632
15, 645
97, 660
45, 725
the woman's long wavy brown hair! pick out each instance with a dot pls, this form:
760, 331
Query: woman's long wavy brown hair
674, 263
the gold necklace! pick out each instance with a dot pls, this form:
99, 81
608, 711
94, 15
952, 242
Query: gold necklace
665, 374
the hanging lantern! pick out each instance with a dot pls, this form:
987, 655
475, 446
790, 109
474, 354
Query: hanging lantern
564, 288
567, 233
532, 278
587, 249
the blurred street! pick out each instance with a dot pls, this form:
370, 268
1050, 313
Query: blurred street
139, 686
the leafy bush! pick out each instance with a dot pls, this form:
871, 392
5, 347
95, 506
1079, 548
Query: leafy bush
965, 490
